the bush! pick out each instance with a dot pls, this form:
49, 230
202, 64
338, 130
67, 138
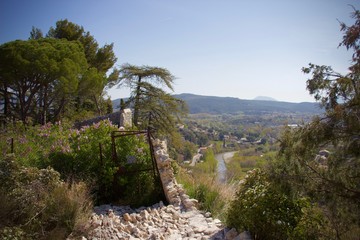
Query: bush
267, 212
36, 204
32, 145
75, 154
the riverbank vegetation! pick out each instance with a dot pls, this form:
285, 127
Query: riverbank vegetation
245, 160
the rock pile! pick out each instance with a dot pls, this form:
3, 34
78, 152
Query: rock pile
156, 222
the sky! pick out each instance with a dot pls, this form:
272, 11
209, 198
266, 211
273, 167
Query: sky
227, 48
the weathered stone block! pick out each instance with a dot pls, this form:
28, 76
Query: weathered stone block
126, 118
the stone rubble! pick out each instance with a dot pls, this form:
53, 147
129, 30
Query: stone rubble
156, 222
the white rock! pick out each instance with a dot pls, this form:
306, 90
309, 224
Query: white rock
127, 217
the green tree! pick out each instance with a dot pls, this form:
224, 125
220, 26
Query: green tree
149, 100
36, 33
330, 177
100, 60
38, 77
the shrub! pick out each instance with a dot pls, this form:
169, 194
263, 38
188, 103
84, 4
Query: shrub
75, 154
36, 204
32, 145
267, 212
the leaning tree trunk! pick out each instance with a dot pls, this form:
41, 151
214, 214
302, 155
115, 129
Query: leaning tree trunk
97, 105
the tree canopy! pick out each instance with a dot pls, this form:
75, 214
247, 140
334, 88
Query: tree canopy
38, 77
66, 68
149, 99
100, 59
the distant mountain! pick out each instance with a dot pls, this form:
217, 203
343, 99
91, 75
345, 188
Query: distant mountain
221, 105
264, 98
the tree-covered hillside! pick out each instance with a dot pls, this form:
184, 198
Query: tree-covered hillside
221, 105
218, 105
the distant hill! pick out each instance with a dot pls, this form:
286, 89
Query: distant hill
264, 98
221, 105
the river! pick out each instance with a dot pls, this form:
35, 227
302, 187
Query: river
221, 158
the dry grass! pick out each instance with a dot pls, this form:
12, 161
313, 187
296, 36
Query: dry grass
35, 204
212, 195
71, 210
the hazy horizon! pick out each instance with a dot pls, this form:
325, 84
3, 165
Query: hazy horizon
255, 98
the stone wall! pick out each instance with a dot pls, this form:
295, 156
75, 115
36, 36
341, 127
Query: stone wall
174, 192
121, 118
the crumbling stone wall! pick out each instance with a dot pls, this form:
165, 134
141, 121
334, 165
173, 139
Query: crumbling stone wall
121, 118
113, 117
175, 194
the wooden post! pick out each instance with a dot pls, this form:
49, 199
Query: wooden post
101, 156
113, 147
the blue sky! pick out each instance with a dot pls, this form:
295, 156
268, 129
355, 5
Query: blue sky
234, 48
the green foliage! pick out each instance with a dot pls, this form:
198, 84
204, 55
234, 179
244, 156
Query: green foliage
31, 144
36, 204
245, 160
57, 77
209, 164
102, 58
135, 186
266, 211
99, 59
75, 154
207, 198
332, 180
47, 73
153, 107
186, 148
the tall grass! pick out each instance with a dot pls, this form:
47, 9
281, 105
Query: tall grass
71, 207
213, 196
200, 182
